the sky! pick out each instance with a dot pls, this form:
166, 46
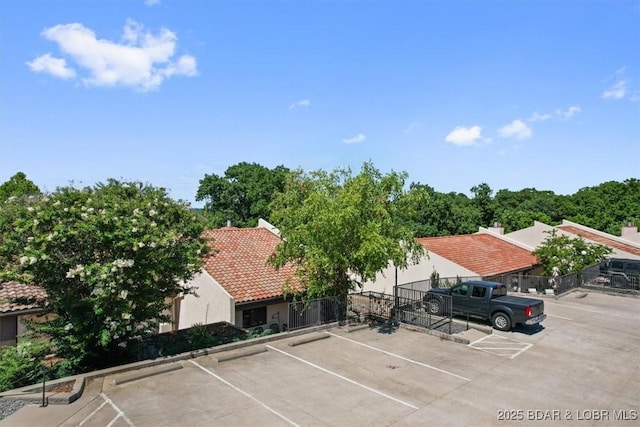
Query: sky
514, 94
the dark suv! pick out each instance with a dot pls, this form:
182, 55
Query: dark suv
622, 273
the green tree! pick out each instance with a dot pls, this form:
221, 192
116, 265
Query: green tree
567, 254
483, 201
427, 212
110, 258
513, 220
337, 226
242, 195
18, 186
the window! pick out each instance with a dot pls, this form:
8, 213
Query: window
460, 290
254, 317
478, 292
8, 330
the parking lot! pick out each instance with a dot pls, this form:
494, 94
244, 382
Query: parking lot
581, 367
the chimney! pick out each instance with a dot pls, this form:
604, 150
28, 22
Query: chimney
497, 228
630, 231
229, 223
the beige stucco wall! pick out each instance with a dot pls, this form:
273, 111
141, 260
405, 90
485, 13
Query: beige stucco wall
212, 303
386, 279
536, 235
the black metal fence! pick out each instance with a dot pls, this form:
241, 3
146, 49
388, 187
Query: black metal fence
556, 285
593, 278
411, 306
320, 311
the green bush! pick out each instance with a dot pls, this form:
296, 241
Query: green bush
21, 365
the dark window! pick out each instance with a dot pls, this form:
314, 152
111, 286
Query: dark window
616, 265
460, 290
254, 317
8, 329
478, 292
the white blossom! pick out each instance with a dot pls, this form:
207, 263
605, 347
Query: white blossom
123, 263
123, 294
126, 316
153, 223
152, 212
123, 344
68, 327
79, 270
32, 260
24, 260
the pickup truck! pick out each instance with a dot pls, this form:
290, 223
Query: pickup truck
488, 301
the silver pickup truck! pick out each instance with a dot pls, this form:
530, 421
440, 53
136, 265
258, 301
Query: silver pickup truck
488, 301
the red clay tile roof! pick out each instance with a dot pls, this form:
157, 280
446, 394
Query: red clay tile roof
600, 239
239, 263
483, 254
10, 291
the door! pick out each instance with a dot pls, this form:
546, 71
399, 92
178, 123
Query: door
479, 301
460, 298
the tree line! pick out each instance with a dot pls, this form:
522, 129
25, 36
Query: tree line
245, 192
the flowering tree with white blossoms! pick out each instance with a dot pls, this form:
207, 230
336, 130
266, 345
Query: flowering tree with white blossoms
110, 258
562, 254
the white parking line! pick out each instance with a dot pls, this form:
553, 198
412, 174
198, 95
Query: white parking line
219, 378
104, 402
118, 411
510, 352
373, 390
399, 357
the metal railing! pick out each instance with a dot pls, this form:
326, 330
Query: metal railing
409, 306
593, 278
303, 314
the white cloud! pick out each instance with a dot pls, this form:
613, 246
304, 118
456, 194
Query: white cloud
570, 112
141, 60
151, 2
516, 129
464, 136
303, 103
535, 117
356, 139
55, 66
619, 89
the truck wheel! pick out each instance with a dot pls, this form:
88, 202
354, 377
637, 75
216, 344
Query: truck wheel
434, 306
501, 321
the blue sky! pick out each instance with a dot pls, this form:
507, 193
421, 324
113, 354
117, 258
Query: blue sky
515, 94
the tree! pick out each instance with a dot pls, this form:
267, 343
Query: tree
242, 195
337, 226
18, 186
482, 200
568, 255
110, 257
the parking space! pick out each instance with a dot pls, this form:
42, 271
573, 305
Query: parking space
584, 358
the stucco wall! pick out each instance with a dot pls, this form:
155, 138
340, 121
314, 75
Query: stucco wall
212, 303
422, 271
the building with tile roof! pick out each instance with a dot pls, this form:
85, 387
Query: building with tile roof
18, 302
481, 255
625, 246
237, 284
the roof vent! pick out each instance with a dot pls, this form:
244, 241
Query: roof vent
228, 223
